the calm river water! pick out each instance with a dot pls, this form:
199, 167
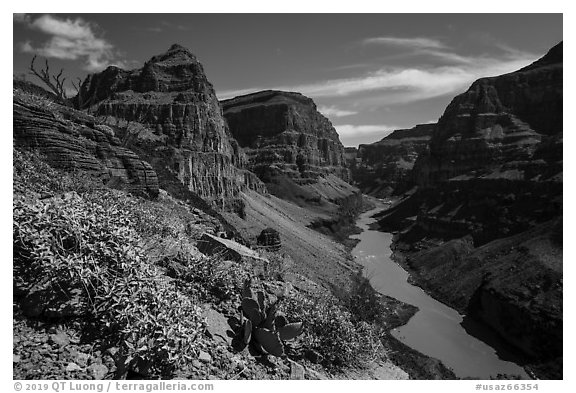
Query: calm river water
435, 330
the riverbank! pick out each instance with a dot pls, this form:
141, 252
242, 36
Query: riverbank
342, 227
396, 314
436, 286
436, 330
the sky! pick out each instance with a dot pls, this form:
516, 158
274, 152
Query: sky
368, 73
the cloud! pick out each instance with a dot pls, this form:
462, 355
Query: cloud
417, 42
332, 111
349, 130
154, 29
70, 39
407, 84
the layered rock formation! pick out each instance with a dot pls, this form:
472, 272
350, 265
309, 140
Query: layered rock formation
73, 140
383, 168
490, 184
171, 95
492, 169
284, 134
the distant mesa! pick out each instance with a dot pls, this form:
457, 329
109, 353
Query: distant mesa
284, 132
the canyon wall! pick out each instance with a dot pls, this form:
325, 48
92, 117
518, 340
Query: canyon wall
172, 96
383, 168
284, 132
291, 146
483, 228
73, 140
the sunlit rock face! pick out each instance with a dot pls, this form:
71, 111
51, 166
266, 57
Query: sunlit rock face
500, 120
283, 133
493, 166
171, 95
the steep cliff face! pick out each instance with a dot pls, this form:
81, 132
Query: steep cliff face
283, 133
73, 140
499, 120
492, 168
171, 95
383, 168
492, 179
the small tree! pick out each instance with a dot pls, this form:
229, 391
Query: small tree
55, 83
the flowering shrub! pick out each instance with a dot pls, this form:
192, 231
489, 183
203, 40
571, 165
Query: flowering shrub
330, 330
79, 256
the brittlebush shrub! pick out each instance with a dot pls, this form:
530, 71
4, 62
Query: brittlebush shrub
88, 247
210, 278
330, 331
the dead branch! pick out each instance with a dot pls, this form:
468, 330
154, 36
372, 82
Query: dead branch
44, 75
78, 86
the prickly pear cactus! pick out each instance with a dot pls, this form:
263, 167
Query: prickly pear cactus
263, 327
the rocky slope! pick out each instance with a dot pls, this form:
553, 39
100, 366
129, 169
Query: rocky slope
514, 284
491, 175
286, 139
73, 140
171, 96
383, 168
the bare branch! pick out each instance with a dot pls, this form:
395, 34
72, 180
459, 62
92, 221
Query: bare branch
44, 76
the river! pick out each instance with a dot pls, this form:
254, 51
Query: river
435, 330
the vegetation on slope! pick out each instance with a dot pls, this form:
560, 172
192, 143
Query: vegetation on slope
122, 274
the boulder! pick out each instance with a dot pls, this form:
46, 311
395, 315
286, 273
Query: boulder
226, 249
218, 328
269, 239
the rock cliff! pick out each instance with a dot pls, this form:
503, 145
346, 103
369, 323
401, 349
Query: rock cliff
283, 133
481, 230
492, 167
383, 168
172, 96
73, 140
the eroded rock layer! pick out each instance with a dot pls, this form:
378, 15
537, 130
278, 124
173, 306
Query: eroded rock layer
73, 140
492, 169
282, 133
171, 95
483, 230
383, 168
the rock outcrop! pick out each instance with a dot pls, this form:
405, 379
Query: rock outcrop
72, 140
171, 96
485, 213
492, 168
513, 284
284, 134
499, 120
383, 168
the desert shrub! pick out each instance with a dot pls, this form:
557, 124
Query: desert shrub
331, 332
87, 246
210, 278
364, 302
32, 174
278, 264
